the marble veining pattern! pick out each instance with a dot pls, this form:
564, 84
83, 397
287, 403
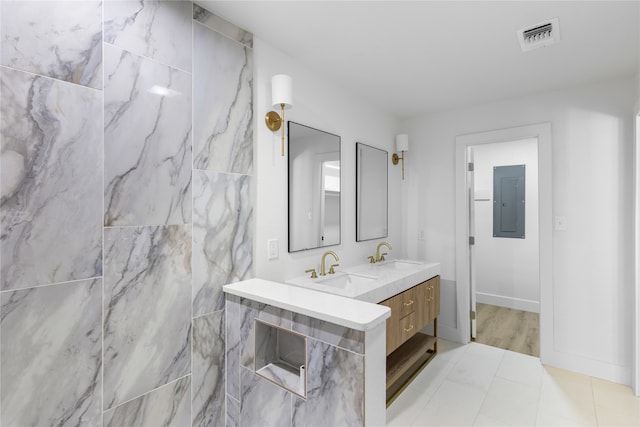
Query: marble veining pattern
232, 362
222, 236
251, 310
278, 375
72, 35
264, 403
208, 370
157, 29
51, 156
52, 355
166, 406
222, 26
233, 412
147, 141
330, 333
335, 380
147, 316
223, 104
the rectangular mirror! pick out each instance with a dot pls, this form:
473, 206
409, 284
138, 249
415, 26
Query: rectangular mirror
314, 188
371, 192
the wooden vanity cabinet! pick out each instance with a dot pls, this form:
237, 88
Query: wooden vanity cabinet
409, 350
403, 323
429, 294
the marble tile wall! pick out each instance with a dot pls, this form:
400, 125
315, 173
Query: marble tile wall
335, 371
126, 148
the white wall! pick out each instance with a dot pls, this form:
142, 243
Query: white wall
320, 104
592, 133
506, 269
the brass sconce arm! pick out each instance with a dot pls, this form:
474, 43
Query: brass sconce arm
275, 122
395, 159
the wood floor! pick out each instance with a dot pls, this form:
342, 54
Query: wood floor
508, 329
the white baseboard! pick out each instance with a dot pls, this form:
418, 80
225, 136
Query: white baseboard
451, 333
508, 302
593, 368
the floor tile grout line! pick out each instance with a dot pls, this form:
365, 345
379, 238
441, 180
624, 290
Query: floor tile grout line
484, 397
593, 401
542, 374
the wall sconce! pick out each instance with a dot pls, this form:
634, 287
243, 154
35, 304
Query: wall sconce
281, 96
402, 145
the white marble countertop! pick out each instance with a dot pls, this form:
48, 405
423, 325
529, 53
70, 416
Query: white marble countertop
372, 282
347, 312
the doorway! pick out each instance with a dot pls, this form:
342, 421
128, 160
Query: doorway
465, 250
504, 262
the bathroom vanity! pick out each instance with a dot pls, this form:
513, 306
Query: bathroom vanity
333, 350
297, 356
408, 349
411, 290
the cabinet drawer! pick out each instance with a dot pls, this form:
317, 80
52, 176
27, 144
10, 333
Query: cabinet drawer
409, 301
408, 326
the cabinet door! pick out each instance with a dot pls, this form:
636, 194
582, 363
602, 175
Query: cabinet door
423, 301
429, 301
434, 304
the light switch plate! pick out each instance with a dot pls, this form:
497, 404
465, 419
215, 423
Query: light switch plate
272, 249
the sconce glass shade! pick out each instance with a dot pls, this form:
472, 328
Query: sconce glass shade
402, 142
281, 91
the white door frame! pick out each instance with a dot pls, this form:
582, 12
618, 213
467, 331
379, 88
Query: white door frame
542, 132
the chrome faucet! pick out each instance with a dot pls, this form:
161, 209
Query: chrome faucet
379, 256
322, 265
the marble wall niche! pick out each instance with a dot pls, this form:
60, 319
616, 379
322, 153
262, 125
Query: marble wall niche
223, 108
147, 316
51, 362
76, 28
335, 375
222, 236
51, 153
147, 117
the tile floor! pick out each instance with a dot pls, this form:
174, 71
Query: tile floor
478, 385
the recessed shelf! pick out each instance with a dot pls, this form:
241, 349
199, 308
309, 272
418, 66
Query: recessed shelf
281, 357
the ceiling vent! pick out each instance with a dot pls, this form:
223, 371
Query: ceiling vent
543, 34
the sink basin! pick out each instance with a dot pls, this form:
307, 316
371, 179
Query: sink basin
371, 282
344, 280
345, 284
398, 264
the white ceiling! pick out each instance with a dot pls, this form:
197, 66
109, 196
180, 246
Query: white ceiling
415, 57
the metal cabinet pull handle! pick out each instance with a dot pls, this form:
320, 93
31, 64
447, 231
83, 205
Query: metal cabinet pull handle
407, 304
407, 330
